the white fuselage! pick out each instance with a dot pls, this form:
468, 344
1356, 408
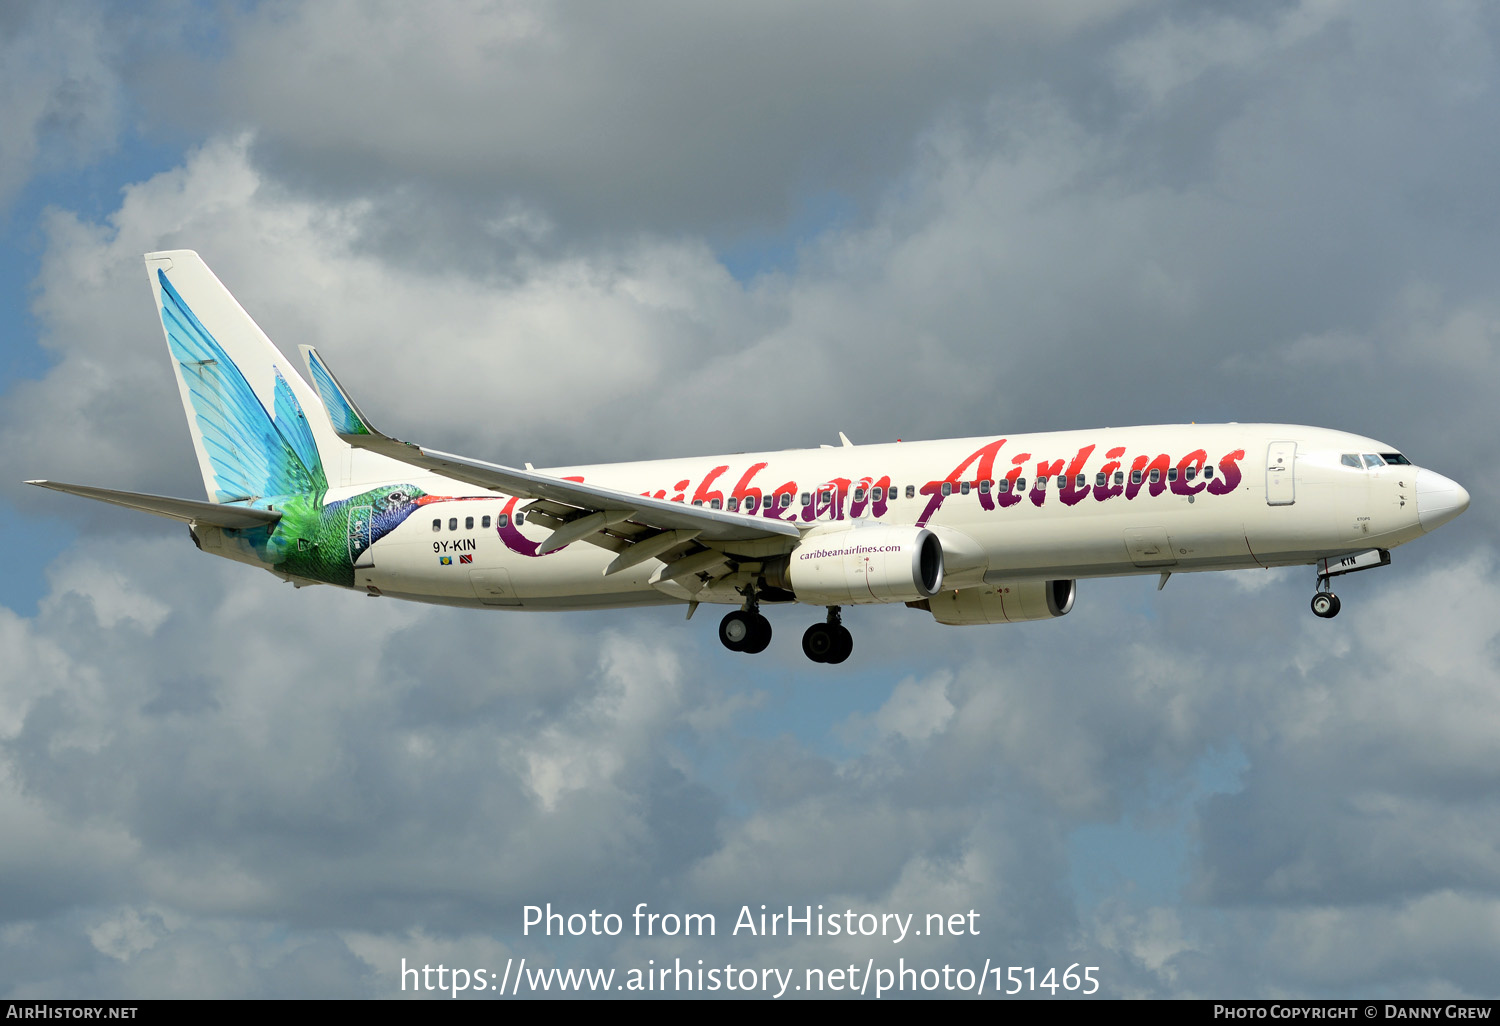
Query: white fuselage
1130, 501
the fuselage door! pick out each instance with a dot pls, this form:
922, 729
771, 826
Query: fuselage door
1281, 486
359, 536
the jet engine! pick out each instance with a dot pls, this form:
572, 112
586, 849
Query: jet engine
868, 563
1006, 602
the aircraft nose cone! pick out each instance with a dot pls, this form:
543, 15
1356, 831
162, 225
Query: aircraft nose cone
1439, 500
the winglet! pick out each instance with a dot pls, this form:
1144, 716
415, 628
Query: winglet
348, 421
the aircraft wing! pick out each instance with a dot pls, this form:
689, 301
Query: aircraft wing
595, 507
187, 510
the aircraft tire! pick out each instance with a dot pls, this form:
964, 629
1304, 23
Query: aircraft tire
818, 642
1325, 604
738, 631
760, 634
843, 644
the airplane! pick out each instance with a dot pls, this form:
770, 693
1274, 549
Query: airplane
986, 530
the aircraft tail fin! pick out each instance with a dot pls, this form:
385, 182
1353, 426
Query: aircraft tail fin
244, 400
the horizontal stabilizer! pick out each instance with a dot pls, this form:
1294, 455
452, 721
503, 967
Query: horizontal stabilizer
210, 513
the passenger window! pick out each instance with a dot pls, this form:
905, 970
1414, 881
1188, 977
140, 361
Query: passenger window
786, 499
1350, 459
1208, 471
1189, 473
1171, 473
807, 498
734, 505
437, 525
715, 503
984, 487
468, 523
859, 495
697, 502
947, 488
1135, 477
1080, 482
963, 489
520, 518
453, 524
1041, 483
878, 493
911, 491
1119, 478
503, 520
826, 496
485, 522
1020, 484
1003, 485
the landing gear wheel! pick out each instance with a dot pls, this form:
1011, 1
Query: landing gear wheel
1326, 605
843, 644
827, 643
760, 637
744, 631
818, 642
737, 630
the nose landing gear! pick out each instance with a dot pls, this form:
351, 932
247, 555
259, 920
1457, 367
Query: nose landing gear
828, 642
1325, 604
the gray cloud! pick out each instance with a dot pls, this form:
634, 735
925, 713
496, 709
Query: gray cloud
318, 782
63, 96
261, 791
662, 116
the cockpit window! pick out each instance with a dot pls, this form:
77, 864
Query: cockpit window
1350, 459
1395, 459
1371, 460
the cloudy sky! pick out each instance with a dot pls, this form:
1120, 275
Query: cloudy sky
573, 232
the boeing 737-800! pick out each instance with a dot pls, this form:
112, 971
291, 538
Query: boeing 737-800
994, 529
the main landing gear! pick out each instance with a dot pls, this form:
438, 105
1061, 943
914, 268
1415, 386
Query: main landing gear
828, 642
746, 630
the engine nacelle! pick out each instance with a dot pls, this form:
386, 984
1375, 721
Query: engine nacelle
868, 563
1007, 602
